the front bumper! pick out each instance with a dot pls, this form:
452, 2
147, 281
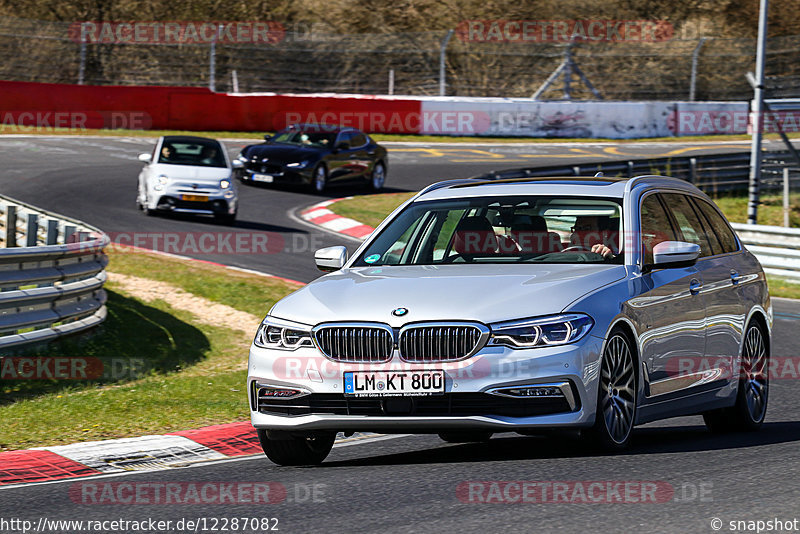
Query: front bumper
277, 174
468, 402
221, 202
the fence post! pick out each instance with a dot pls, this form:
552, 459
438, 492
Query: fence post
695, 59
786, 203
32, 230
442, 50
235, 81
692, 170
630, 169
391, 81
82, 66
212, 62
11, 226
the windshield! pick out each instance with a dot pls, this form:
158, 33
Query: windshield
313, 137
195, 153
523, 229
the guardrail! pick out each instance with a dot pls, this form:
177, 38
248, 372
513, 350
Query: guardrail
52, 271
712, 173
776, 247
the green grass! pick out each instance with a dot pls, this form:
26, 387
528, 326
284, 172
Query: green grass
378, 137
372, 209
770, 211
187, 374
369, 209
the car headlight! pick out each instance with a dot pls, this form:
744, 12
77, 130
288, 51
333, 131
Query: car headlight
224, 184
284, 335
161, 181
542, 331
299, 164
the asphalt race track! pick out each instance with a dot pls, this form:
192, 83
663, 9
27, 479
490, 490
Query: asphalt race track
410, 483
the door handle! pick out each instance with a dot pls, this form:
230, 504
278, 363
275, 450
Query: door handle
735, 277
695, 286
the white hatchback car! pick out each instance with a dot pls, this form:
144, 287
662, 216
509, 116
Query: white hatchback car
186, 174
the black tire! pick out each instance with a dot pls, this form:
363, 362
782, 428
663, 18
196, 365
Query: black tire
377, 178
616, 395
465, 436
319, 179
750, 410
302, 450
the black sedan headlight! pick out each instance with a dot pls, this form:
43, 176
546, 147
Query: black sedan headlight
283, 335
542, 331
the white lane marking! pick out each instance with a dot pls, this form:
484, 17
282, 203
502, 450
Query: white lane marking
257, 456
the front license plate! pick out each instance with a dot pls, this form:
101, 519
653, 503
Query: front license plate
268, 178
195, 198
393, 383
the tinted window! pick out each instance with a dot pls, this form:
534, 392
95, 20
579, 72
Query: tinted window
688, 222
358, 139
719, 226
656, 227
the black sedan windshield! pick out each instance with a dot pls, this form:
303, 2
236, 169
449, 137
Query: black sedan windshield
313, 138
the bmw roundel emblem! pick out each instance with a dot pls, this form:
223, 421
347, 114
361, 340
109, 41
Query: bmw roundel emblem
399, 312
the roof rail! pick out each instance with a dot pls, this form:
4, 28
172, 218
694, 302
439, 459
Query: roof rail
445, 183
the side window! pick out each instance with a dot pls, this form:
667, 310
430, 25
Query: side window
688, 222
719, 226
345, 137
655, 227
358, 140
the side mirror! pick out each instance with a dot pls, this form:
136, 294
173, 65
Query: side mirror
330, 258
675, 254
342, 145
267, 138
145, 158
237, 164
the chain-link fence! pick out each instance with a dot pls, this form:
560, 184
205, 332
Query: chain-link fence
401, 63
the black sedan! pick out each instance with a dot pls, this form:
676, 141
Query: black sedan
314, 155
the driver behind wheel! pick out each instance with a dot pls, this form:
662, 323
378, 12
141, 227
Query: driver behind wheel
594, 233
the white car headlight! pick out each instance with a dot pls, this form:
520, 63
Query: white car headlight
541, 331
161, 181
224, 184
299, 164
284, 335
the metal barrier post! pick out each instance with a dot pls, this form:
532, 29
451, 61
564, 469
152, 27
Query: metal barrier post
32, 230
11, 226
52, 232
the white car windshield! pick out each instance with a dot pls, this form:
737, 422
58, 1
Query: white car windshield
196, 153
520, 229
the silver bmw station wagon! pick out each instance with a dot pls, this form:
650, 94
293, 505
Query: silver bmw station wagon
522, 304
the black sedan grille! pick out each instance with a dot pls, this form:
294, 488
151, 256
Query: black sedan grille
356, 343
439, 343
449, 404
